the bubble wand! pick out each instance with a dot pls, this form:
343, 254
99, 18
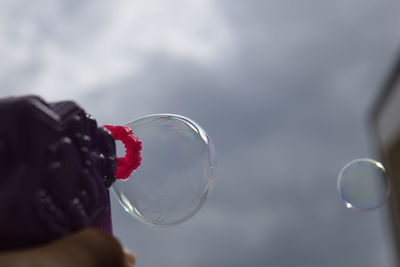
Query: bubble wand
57, 166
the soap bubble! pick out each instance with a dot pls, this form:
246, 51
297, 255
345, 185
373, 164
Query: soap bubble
176, 173
364, 184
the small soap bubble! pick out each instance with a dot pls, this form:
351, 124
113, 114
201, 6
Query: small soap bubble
176, 173
364, 184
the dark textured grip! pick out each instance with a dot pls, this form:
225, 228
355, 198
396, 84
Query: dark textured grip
55, 169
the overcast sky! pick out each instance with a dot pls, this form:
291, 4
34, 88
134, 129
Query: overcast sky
283, 87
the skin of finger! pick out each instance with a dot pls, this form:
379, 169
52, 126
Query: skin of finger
130, 258
88, 248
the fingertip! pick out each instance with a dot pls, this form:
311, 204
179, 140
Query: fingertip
91, 248
105, 248
130, 257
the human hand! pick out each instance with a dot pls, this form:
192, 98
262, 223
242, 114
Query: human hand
87, 248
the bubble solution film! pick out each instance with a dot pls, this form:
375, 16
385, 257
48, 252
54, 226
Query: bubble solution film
364, 184
176, 173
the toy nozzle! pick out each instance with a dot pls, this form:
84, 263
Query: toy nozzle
132, 159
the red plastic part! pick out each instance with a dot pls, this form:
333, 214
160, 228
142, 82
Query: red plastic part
132, 159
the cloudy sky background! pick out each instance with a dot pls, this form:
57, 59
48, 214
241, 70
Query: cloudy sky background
283, 87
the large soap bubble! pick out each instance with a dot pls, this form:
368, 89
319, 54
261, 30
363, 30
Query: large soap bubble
176, 173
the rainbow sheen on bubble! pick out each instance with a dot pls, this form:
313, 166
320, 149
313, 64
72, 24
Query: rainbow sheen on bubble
364, 184
176, 174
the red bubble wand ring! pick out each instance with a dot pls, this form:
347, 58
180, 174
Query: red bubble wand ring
133, 146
